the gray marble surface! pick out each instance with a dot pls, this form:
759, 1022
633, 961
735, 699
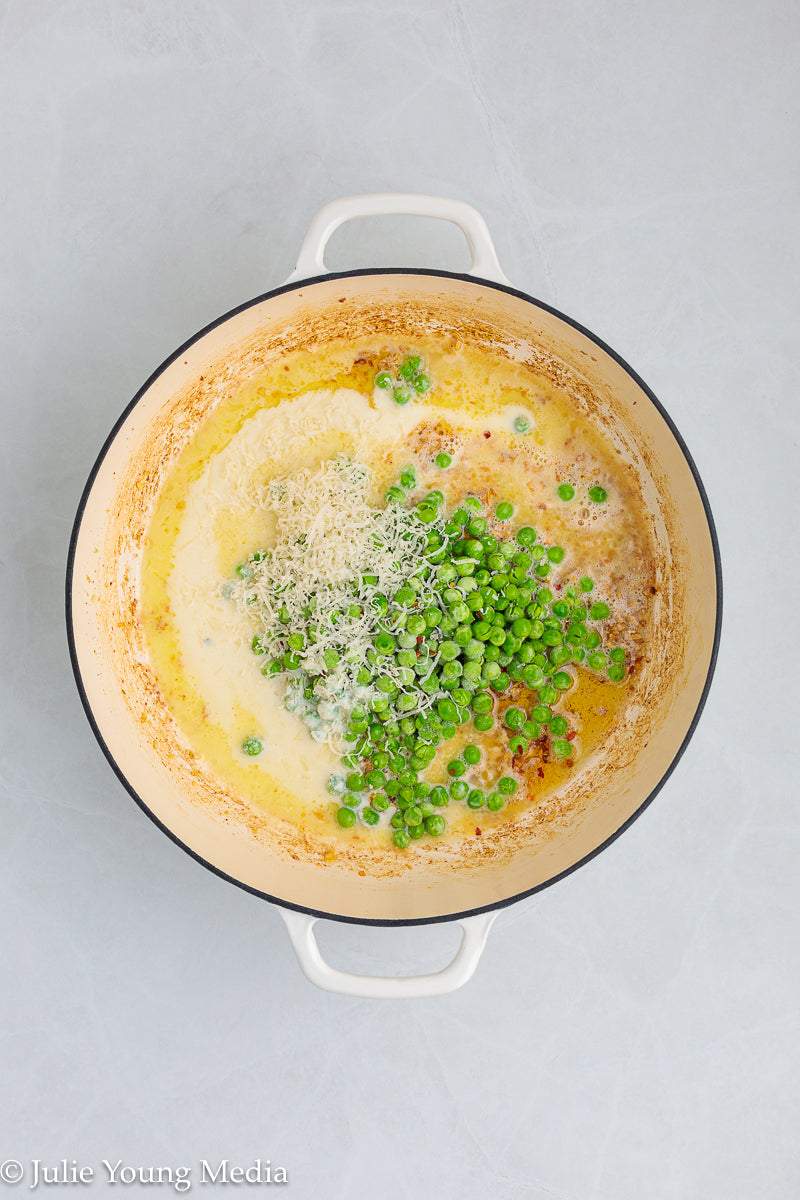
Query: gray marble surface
631, 1032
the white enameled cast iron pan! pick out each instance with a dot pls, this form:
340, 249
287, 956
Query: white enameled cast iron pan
110, 662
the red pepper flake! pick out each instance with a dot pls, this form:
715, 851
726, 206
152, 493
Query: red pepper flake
486, 434
477, 831
540, 773
558, 586
571, 735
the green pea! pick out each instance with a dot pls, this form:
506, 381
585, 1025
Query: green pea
559, 725
504, 510
476, 526
409, 367
562, 680
482, 702
521, 424
252, 746
494, 802
426, 513
408, 477
547, 694
475, 799
616, 672
531, 730
383, 379
556, 554
402, 395
533, 675
598, 495
401, 839
526, 536
380, 802
566, 491
422, 384
562, 748
483, 722
541, 713
443, 460
435, 825
459, 789
576, 634
346, 817
517, 743
586, 584
471, 755
369, 816
559, 655
514, 718
412, 815
599, 611
456, 767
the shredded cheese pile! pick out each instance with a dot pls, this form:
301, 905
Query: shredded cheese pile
331, 576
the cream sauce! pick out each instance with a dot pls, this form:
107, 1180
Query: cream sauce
210, 519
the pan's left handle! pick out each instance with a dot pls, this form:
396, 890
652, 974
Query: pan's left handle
474, 931
484, 264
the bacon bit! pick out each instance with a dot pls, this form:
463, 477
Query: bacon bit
487, 433
477, 831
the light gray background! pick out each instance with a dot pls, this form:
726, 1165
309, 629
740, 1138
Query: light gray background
631, 1032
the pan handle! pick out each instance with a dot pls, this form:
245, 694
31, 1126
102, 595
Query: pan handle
474, 931
311, 260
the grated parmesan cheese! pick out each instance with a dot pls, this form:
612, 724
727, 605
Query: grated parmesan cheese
331, 577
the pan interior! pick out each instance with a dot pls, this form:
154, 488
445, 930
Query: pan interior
137, 726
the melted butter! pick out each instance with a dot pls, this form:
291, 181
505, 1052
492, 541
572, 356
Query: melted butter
206, 523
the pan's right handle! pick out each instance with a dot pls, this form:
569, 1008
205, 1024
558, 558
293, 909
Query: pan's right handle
484, 264
474, 932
